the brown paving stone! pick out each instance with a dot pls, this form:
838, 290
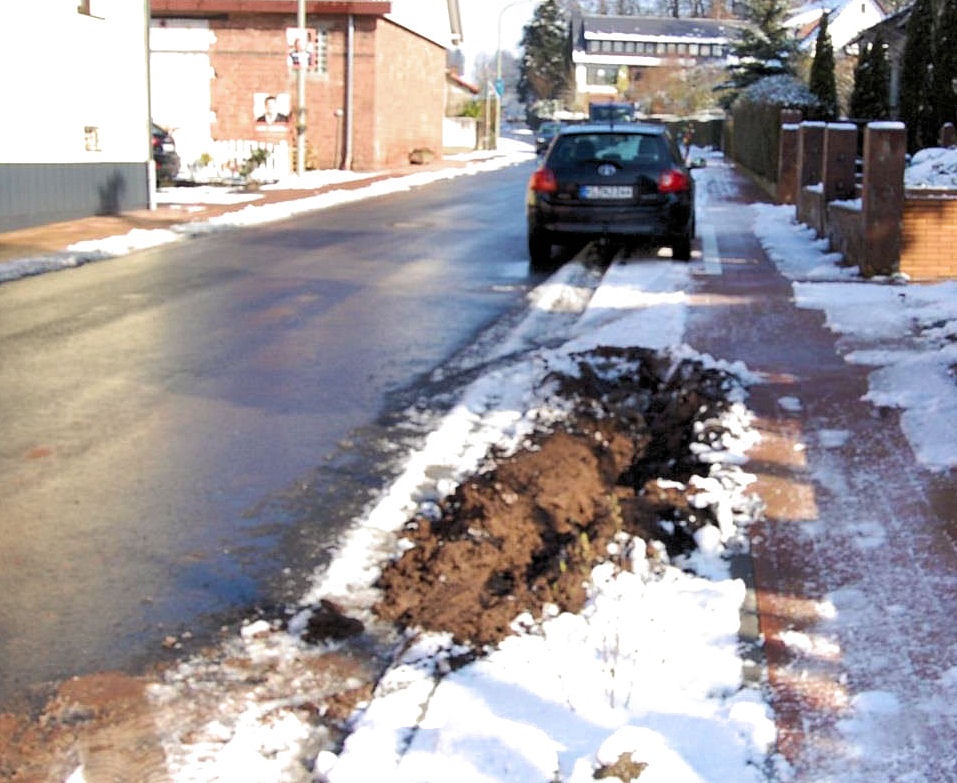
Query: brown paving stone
854, 560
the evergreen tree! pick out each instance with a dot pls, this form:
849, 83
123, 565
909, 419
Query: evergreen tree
871, 97
945, 65
545, 71
822, 81
858, 107
765, 49
916, 89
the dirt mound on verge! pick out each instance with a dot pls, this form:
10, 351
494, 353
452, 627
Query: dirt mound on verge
528, 531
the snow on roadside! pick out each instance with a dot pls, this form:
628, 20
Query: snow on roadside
649, 673
651, 668
904, 331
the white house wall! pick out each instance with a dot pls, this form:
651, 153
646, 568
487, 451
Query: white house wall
75, 140
857, 15
180, 75
846, 20
65, 72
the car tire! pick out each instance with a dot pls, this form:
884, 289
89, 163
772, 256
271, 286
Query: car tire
681, 248
539, 250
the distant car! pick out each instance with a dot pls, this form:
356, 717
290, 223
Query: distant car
625, 180
164, 155
544, 135
611, 111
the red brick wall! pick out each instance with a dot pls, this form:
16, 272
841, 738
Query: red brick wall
410, 95
398, 97
249, 56
929, 238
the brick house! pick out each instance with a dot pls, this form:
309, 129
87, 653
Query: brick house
374, 80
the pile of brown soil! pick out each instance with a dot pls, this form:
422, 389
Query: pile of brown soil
528, 531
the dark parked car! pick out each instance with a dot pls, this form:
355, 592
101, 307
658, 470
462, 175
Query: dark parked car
164, 155
544, 135
625, 181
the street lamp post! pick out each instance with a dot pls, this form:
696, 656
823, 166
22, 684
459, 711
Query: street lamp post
498, 71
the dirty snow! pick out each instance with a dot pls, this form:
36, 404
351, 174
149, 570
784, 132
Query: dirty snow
652, 668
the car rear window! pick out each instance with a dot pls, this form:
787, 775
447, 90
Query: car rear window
623, 148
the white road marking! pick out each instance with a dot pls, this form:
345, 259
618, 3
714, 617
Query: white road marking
709, 249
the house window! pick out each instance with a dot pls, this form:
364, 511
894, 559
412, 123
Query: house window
594, 46
705, 50
662, 48
682, 48
693, 49
322, 50
600, 75
630, 47
618, 47
606, 46
91, 138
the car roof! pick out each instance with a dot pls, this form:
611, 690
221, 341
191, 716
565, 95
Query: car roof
642, 128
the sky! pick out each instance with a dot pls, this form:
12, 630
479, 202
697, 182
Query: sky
480, 26
652, 666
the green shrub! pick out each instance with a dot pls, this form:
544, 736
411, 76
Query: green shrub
756, 121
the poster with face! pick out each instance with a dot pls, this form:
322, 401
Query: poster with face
301, 49
271, 110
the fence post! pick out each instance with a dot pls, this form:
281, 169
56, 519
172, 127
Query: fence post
788, 156
788, 164
882, 198
810, 153
948, 135
840, 154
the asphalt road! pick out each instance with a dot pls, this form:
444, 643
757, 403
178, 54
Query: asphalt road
184, 431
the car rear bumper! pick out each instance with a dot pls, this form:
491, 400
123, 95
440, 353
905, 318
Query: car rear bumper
664, 222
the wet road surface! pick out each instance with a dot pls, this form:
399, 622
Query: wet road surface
183, 431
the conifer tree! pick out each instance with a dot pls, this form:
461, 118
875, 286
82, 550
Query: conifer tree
871, 97
945, 65
916, 89
545, 71
765, 49
822, 81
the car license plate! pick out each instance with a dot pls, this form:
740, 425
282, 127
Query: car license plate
167, 147
606, 191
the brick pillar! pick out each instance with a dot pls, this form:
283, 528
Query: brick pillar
840, 154
787, 156
810, 153
882, 199
788, 164
948, 135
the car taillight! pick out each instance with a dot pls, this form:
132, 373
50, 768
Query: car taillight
543, 181
673, 181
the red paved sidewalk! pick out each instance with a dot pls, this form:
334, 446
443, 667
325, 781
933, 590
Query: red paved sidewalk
855, 564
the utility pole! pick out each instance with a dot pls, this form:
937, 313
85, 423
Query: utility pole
301, 97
